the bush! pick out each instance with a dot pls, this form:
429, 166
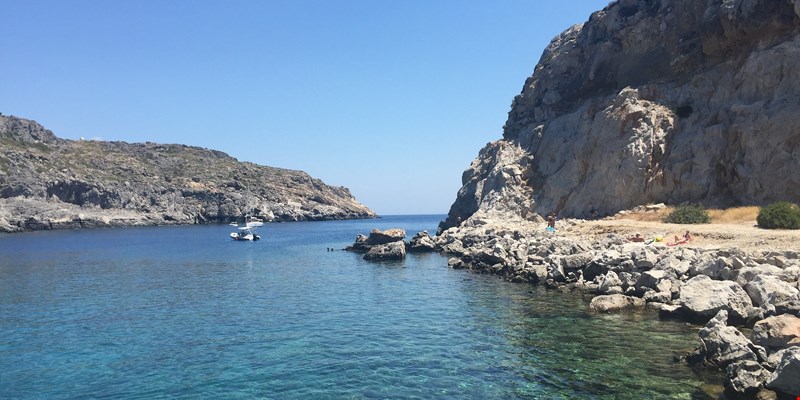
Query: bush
780, 215
688, 215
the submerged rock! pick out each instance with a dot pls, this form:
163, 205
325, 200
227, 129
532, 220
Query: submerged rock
615, 302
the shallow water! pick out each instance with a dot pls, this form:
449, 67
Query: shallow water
186, 312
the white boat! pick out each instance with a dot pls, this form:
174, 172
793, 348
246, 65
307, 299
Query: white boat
253, 222
245, 233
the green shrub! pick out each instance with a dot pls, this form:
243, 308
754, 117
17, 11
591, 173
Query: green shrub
780, 215
688, 215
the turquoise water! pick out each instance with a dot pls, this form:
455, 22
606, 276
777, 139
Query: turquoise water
185, 312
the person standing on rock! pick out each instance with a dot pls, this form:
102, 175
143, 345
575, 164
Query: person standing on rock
551, 221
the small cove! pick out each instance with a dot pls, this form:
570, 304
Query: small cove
186, 312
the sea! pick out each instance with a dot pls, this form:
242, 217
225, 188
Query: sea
184, 312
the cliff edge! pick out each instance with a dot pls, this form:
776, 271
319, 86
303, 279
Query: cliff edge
650, 101
51, 183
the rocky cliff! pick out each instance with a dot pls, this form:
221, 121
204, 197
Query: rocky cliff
649, 101
49, 183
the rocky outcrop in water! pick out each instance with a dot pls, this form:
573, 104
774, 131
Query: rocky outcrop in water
650, 101
390, 244
52, 183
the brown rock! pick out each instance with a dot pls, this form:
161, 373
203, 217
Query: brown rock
777, 332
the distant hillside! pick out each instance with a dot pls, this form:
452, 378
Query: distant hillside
51, 183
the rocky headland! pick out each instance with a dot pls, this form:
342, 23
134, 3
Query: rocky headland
654, 101
51, 183
651, 101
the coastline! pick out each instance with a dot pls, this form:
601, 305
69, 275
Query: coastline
729, 276
18, 215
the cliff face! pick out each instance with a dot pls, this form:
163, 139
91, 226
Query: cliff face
49, 183
651, 101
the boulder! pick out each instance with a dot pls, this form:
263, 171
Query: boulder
767, 290
703, 298
615, 302
377, 237
777, 332
607, 281
652, 296
722, 345
629, 279
644, 257
576, 261
745, 378
422, 242
786, 377
709, 266
651, 278
670, 311
389, 251
749, 273
674, 265
455, 263
360, 245
495, 255
594, 270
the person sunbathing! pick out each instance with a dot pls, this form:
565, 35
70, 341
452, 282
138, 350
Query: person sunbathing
686, 239
636, 238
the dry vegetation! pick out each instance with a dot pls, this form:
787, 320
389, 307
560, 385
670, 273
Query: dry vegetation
736, 215
729, 228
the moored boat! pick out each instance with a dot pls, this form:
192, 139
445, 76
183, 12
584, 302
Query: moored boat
245, 233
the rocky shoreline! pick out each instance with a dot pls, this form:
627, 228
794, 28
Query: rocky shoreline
724, 288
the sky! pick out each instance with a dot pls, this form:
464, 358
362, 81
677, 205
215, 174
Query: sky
392, 99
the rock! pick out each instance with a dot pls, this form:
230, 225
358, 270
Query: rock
644, 257
709, 266
670, 311
652, 278
629, 279
594, 270
703, 298
389, 251
767, 290
422, 242
607, 281
785, 377
359, 245
749, 273
777, 332
722, 345
576, 261
745, 378
658, 297
377, 236
615, 302
455, 263
673, 265
657, 102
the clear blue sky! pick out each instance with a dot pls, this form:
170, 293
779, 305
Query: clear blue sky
391, 98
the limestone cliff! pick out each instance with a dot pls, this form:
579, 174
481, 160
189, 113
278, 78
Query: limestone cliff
49, 183
668, 101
